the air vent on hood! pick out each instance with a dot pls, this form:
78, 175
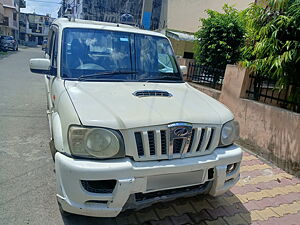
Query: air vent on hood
149, 93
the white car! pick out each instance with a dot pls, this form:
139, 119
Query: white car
126, 130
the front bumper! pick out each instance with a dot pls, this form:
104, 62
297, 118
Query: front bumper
139, 177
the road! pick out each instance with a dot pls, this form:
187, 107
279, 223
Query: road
264, 195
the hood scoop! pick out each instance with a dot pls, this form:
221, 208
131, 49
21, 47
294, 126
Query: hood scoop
152, 93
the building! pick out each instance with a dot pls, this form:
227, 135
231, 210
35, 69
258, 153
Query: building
142, 13
178, 19
181, 18
1, 16
10, 21
34, 28
184, 15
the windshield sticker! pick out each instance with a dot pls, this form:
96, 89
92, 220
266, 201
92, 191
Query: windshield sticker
124, 39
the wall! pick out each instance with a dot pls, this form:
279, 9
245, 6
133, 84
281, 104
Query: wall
182, 46
272, 132
184, 15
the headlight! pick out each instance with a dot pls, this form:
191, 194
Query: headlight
95, 142
229, 133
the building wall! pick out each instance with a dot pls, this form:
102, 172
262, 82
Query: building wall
180, 47
11, 12
184, 15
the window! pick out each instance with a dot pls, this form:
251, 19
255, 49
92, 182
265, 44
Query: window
15, 16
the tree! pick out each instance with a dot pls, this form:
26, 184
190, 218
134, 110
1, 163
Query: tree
220, 38
272, 42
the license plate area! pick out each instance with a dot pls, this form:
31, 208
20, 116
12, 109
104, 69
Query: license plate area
174, 180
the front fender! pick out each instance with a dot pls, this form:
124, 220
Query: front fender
57, 132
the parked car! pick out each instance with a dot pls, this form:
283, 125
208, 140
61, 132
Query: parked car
44, 45
7, 43
126, 130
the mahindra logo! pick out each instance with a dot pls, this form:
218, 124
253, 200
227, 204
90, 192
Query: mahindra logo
181, 132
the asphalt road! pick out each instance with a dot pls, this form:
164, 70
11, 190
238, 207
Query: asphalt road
27, 178
27, 181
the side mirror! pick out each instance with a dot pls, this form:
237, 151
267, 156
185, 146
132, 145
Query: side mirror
183, 70
41, 66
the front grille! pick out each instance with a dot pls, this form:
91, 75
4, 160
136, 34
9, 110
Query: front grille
155, 144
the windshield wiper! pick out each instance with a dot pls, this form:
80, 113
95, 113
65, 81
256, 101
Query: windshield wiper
164, 77
105, 74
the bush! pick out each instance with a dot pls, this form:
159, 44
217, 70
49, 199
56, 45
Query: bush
220, 38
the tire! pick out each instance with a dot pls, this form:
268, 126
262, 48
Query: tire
17, 48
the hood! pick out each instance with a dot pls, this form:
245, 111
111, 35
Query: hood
113, 105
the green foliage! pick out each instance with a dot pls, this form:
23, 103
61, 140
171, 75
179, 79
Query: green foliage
220, 38
272, 41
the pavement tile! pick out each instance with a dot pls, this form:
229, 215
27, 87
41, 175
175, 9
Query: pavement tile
182, 207
165, 211
254, 167
217, 201
236, 220
267, 213
165, 221
252, 162
218, 212
291, 219
219, 221
180, 220
200, 204
263, 179
262, 186
235, 209
248, 157
200, 216
264, 172
127, 219
146, 215
251, 216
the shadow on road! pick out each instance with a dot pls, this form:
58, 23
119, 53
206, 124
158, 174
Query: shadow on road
184, 211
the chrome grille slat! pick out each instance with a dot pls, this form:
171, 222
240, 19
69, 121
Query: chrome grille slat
151, 142
163, 135
195, 143
139, 143
158, 144
155, 143
146, 143
205, 139
200, 144
210, 139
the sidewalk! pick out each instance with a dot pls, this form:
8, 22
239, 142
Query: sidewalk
264, 195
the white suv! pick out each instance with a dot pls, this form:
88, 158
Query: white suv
126, 130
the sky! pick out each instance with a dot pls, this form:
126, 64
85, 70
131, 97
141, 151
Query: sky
42, 7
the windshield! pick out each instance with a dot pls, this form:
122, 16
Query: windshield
91, 54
